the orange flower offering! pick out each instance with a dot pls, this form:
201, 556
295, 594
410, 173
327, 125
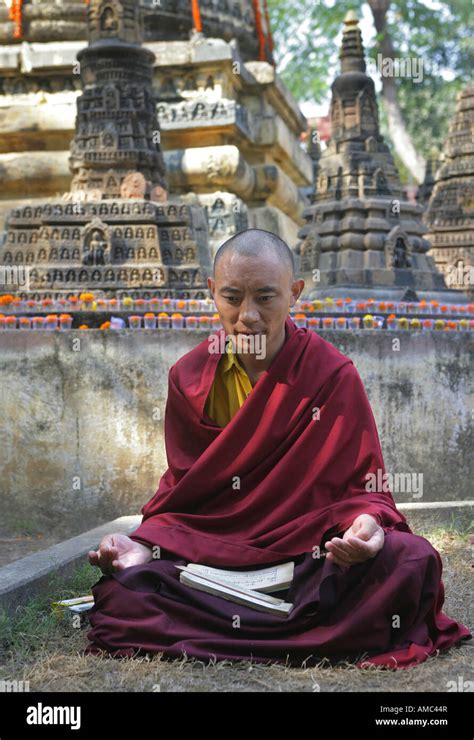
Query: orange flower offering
10, 322
31, 304
139, 302
105, 325
181, 305
191, 322
163, 320
65, 321
86, 297
361, 306
5, 300
149, 320
47, 302
444, 309
177, 320
83, 327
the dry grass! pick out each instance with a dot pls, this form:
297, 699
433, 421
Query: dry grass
47, 653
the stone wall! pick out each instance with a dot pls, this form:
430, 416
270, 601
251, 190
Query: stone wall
81, 417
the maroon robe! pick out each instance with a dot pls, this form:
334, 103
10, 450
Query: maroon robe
302, 445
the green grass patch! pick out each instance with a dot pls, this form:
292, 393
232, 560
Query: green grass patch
35, 626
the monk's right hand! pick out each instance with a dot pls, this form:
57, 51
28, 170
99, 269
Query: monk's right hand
117, 551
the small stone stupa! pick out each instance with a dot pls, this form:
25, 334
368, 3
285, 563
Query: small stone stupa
361, 233
450, 214
115, 231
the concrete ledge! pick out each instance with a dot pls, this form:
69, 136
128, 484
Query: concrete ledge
24, 578
432, 514
21, 580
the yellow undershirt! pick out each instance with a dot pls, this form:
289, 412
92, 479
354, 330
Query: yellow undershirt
229, 390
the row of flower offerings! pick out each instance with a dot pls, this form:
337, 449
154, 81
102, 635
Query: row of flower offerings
163, 320
350, 305
88, 302
391, 322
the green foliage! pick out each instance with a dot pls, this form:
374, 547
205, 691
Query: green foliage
306, 53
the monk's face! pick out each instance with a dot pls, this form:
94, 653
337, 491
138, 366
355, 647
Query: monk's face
253, 295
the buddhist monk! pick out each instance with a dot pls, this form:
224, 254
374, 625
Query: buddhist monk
270, 444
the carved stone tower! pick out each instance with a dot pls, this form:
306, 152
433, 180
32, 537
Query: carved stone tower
361, 233
450, 214
115, 231
117, 142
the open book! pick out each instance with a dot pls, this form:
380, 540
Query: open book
247, 587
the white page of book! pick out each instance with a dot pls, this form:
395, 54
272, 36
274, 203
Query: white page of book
251, 579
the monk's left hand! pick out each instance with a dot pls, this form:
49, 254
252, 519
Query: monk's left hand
360, 542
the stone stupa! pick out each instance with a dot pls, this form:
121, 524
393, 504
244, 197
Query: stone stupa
362, 236
450, 213
116, 230
230, 129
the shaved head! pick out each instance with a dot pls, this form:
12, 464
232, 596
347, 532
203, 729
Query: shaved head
257, 243
254, 287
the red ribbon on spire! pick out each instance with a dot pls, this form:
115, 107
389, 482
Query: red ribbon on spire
269, 30
259, 29
196, 15
16, 15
